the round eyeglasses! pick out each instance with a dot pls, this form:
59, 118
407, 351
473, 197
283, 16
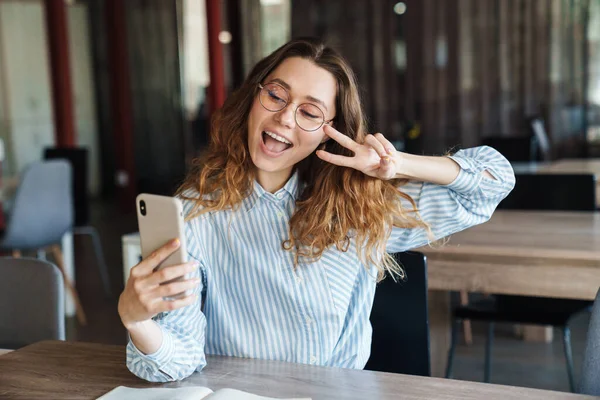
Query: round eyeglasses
275, 97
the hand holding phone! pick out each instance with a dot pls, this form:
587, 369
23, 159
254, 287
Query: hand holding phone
150, 291
160, 282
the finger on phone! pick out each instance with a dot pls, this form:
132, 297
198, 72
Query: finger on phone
147, 265
169, 305
176, 287
169, 273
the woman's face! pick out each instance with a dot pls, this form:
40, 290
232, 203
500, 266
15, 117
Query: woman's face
275, 140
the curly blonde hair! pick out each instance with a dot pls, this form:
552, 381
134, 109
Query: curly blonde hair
337, 204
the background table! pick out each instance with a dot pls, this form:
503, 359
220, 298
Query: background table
85, 371
531, 253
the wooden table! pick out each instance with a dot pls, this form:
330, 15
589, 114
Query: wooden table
85, 371
534, 253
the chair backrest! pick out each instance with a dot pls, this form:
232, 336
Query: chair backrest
32, 302
400, 320
514, 148
42, 208
78, 158
590, 379
566, 192
540, 136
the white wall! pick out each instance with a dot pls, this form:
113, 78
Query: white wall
26, 120
28, 111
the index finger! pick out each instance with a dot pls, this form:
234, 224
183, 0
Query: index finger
147, 265
342, 139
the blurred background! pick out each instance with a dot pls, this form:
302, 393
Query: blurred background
133, 83
435, 74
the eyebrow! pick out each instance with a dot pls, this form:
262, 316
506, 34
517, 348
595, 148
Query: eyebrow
310, 98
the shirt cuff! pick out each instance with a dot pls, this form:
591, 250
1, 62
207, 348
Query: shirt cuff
469, 177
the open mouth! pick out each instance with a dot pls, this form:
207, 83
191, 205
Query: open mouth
275, 143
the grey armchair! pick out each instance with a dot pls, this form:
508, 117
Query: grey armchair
31, 302
590, 380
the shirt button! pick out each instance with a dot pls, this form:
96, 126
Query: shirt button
308, 320
279, 195
298, 279
313, 359
279, 214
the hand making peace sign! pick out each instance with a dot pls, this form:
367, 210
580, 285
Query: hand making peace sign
376, 157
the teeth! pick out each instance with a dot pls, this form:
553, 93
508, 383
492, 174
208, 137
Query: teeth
277, 137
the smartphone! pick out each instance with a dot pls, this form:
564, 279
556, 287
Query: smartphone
160, 220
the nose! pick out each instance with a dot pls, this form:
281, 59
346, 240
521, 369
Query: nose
286, 116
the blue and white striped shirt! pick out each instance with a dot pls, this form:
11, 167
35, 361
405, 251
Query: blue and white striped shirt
258, 306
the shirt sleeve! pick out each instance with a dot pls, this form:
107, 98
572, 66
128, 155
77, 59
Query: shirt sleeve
182, 349
184, 331
469, 200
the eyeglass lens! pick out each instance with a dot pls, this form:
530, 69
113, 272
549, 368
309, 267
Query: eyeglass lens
274, 98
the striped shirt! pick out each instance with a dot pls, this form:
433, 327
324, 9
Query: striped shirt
258, 305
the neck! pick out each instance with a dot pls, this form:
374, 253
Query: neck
273, 181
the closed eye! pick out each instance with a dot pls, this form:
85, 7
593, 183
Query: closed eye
308, 115
276, 98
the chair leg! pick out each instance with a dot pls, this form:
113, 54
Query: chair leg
58, 256
16, 253
467, 331
90, 230
455, 328
488, 353
568, 356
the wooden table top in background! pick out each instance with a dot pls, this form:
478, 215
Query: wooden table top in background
75, 370
573, 166
531, 234
564, 166
536, 253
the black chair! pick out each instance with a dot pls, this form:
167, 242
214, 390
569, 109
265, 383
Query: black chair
78, 158
532, 147
514, 148
533, 192
590, 384
400, 321
541, 142
552, 192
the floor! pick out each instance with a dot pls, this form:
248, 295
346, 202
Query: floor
515, 362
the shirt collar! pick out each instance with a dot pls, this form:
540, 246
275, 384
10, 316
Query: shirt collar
288, 192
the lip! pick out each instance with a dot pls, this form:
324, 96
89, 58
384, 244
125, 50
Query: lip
268, 152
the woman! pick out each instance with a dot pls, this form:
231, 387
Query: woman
289, 218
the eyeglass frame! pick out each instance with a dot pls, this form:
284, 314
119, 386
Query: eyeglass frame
287, 103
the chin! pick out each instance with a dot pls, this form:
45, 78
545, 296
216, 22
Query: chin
266, 165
